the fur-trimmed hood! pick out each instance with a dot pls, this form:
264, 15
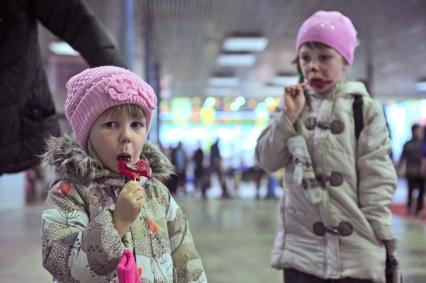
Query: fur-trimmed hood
68, 161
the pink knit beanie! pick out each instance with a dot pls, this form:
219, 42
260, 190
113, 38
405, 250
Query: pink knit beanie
95, 90
331, 28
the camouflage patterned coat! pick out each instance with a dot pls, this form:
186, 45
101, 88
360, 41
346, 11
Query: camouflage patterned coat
79, 241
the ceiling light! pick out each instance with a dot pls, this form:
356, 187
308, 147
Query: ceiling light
62, 48
223, 82
236, 59
285, 80
245, 43
421, 85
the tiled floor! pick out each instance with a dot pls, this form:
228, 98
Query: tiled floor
234, 238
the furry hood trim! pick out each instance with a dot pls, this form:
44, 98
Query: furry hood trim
67, 160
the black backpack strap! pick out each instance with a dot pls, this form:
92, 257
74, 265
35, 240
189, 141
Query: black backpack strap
359, 125
358, 115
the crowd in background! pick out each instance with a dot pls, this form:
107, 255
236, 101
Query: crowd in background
198, 171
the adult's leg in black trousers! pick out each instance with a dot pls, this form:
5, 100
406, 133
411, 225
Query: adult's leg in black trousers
420, 195
350, 280
294, 276
411, 182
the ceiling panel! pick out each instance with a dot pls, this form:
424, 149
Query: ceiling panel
186, 36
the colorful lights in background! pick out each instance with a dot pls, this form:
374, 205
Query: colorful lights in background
239, 121
216, 110
196, 121
181, 109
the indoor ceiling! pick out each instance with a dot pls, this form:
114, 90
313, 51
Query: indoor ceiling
186, 37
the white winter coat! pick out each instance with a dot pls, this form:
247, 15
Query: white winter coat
362, 253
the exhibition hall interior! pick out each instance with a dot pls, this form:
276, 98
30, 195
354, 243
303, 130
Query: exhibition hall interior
219, 69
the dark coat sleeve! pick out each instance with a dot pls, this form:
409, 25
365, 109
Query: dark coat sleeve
72, 21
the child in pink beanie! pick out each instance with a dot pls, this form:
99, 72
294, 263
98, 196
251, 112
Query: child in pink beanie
332, 140
98, 226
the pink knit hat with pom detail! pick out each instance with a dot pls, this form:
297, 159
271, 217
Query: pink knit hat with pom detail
95, 90
330, 28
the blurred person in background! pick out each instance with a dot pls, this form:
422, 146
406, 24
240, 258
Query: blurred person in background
27, 109
256, 174
216, 167
199, 171
410, 164
180, 161
35, 184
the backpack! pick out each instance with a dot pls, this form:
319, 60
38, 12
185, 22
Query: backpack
359, 125
357, 112
392, 271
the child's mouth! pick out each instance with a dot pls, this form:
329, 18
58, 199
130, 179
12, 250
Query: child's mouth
124, 157
319, 83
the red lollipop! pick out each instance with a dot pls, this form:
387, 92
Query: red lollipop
134, 172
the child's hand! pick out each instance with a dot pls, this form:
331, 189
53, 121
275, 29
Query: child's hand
129, 203
294, 101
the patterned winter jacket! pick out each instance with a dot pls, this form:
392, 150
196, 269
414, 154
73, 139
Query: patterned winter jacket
342, 236
79, 241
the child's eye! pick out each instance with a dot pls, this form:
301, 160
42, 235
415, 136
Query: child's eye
324, 57
110, 124
137, 125
304, 58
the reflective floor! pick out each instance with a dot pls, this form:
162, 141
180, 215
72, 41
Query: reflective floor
233, 236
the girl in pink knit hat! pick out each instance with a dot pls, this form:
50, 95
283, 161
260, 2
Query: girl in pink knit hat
332, 140
108, 217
